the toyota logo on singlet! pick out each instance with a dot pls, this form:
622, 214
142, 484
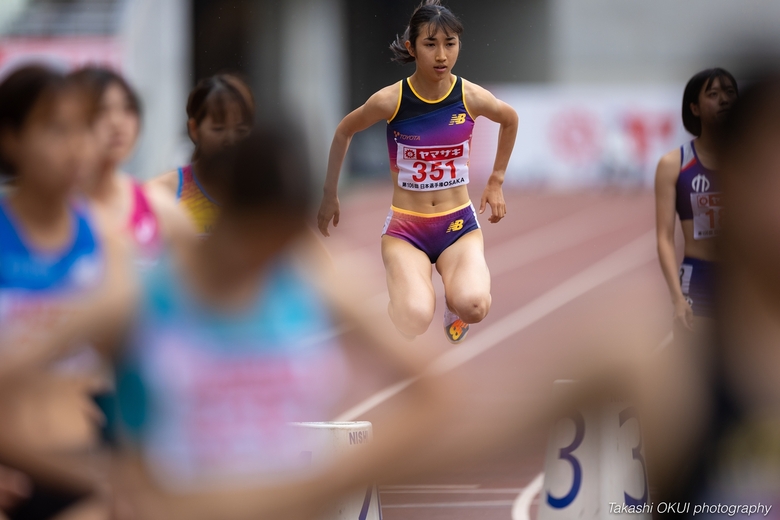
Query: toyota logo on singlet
700, 183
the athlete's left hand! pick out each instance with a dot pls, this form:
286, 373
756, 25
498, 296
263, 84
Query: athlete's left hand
494, 196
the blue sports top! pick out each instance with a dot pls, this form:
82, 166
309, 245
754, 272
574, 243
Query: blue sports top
698, 195
208, 395
30, 278
429, 140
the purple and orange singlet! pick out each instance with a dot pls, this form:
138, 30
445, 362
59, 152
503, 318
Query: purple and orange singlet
429, 141
202, 209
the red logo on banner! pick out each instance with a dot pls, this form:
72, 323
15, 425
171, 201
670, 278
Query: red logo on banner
645, 128
575, 134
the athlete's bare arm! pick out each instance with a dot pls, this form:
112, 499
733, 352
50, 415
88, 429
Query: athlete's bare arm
174, 223
167, 182
480, 102
665, 193
382, 105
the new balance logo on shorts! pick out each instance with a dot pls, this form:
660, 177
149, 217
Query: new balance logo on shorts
458, 119
456, 225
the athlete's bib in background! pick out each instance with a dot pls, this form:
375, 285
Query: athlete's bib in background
707, 214
429, 141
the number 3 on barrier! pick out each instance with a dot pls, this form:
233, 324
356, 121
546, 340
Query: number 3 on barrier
566, 454
636, 454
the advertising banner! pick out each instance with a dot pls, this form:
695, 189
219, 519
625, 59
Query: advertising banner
581, 136
65, 53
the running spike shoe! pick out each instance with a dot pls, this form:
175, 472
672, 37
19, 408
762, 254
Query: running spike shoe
454, 327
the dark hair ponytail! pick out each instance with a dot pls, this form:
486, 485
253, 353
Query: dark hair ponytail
691, 122
436, 17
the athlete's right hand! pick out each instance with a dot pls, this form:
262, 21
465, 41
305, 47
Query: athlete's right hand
683, 315
329, 209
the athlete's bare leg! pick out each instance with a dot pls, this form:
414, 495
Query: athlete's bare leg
466, 277
412, 298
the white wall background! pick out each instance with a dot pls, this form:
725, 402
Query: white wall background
661, 41
9, 9
155, 39
611, 107
313, 76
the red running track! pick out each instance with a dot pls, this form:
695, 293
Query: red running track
545, 239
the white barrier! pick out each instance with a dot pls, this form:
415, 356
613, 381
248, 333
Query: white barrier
594, 466
326, 441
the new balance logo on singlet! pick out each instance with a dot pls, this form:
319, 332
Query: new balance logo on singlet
700, 183
456, 225
458, 119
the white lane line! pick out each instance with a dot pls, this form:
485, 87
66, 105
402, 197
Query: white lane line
521, 509
552, 238
429, 487
665, 343
625, 259
375, 400
327, 335
480, 491
536, 244
476, 503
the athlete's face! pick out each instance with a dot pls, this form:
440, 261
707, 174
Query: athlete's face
116, 125
715, 101
214, 134
52, 150
435, 53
